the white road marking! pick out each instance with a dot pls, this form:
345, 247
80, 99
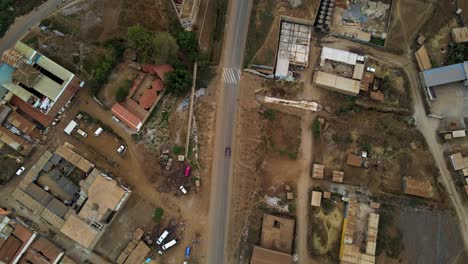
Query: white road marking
231, 75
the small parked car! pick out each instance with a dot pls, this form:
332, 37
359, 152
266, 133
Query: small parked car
187, 171
182, 189
82, 133
227, 152
20, 171
98, 131
162, 237
121, 149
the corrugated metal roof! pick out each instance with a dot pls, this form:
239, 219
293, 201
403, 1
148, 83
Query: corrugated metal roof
446, 74
424, 62
48, 88
358, 71
339, 55
337, 83
460, 35
25, 50
54, 68
316, 198
126, 116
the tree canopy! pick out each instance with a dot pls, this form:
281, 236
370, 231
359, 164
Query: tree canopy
151, 46
178, 82
188, 42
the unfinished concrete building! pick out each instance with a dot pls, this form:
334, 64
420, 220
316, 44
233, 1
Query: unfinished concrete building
187, 11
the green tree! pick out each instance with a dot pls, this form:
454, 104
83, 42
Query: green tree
178, 82
164, 46
456, 53
139, 37
188, 42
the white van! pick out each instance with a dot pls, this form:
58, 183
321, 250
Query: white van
98, 131
162, 237
82, 133
169, 244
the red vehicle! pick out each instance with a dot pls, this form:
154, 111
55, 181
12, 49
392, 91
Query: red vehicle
187, 171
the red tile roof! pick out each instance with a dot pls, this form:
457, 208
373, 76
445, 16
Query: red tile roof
160, 70
157, 84
148, 98
136, 82
126, 116
22, 233
46, 248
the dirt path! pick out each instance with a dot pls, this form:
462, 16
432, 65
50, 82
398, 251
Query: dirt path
303, 184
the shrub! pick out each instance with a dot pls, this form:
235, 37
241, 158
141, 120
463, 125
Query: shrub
316, 128
178, 82
177, 150
269, 114
158, 214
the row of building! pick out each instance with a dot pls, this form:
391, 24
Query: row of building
33, 91
20, 244
71, 195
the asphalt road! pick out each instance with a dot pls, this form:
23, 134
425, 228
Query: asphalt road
232, 59
23, 24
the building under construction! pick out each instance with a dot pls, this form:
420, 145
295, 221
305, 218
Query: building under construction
187, 11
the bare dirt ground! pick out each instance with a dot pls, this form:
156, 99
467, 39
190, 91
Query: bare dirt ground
407, 18
268, 161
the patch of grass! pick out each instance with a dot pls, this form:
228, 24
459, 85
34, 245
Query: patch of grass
269, 114
377, 41
158, 214
177, 150
137, 136
260, 23
316, 128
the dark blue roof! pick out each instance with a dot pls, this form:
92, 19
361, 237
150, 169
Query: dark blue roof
446, 74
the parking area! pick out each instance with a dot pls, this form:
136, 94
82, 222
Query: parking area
452, 101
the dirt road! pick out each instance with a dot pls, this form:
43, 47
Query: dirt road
303, 185
23, 24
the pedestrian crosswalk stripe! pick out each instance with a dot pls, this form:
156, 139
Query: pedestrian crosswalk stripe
231, 75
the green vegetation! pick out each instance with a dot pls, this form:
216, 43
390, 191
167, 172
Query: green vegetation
457, 52
107, 63
11, 9
387, 83
178, 82
269, 114
366, 147
327, 206
259, 27
316, 128
54, 24
292, 207
123, 91
218, 22
377, 41
177, 150
158, 214
151, 46
137, 136
188, 43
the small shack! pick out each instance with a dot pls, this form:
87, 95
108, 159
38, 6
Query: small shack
316, 199
317, 172
416, 187
338, 176
353, 160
